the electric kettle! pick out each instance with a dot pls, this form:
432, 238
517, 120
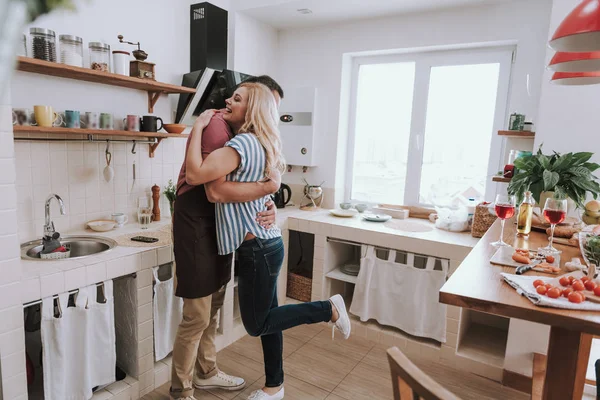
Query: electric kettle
280, 198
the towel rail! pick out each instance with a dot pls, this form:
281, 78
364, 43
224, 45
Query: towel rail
353, 243
34, 302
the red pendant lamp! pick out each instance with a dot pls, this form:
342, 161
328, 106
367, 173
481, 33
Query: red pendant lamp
576, 78
580, 30
575, 62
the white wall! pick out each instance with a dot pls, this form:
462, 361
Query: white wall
567, 111
255, 46
314, 56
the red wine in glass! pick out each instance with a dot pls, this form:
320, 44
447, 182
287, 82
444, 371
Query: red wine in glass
504, 211
555, 216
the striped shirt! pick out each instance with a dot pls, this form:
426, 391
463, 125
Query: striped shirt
235, 220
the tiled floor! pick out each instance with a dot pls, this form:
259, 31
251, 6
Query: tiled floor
317, 368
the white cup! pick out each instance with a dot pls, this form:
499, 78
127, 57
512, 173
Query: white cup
120, 218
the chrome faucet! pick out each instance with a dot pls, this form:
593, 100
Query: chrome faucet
49, 225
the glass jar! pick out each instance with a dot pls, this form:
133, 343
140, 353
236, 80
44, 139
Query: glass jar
99, 56
22, 48
509, 168
43, 44
71, 50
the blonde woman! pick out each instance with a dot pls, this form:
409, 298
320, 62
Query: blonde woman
253, 155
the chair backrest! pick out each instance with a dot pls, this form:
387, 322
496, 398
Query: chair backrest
410, 383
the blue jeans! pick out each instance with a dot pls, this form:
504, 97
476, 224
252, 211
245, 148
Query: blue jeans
259, 265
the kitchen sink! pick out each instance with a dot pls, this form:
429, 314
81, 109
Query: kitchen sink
81, 246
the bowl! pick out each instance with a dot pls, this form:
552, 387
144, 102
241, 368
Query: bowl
174, 128
361, 208
345, 206
101, 225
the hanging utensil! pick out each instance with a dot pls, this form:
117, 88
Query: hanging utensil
109, 172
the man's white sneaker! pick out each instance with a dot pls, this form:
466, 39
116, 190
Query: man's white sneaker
260, 395
220, 381
343, 321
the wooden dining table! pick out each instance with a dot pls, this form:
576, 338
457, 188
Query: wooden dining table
477, 285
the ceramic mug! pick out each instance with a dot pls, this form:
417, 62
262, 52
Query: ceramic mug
73, 119
150, 123
46, 117
92, 120
23, 117
120, 218
106, 121
132, 123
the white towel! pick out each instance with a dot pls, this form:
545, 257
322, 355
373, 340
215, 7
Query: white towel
524, 286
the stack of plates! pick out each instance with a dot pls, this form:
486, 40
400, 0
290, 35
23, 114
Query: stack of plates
350, 269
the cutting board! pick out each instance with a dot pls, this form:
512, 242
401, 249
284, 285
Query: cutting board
503, 257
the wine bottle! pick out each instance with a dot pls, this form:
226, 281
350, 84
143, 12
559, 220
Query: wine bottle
525, 215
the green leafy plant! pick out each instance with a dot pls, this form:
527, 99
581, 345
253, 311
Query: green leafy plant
171, 193
567, 175
41, 7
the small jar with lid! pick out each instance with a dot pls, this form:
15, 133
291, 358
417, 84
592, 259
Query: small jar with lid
71, 50
99, 56
43, 44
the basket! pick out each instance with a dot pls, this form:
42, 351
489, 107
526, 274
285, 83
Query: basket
299, 287
56, 256
482, 220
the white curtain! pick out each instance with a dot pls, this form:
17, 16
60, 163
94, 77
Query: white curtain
400, 295
78, 344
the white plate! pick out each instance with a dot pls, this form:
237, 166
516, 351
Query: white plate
377, 217
338, 212
101, 225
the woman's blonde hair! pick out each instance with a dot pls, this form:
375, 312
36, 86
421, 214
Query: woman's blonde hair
262, 119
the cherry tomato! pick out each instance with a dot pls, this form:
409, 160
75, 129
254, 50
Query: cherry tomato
590, 285
584, 279
597, 291
581, 295
564, 281
567, 291
571, 279
541, 289
550, 259
575, 297
548, 286
578, 286
554, 293
538, 282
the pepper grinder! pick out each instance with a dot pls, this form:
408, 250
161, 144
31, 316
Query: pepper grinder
155, 199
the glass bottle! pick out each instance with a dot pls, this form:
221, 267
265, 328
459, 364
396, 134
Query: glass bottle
509, 168
525, 215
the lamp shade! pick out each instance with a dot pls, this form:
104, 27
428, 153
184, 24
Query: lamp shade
576, 78
575, 62
580, 30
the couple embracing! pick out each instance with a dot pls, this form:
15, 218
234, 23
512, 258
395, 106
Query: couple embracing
233, 163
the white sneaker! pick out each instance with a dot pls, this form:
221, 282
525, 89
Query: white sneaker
260, 395
343, 321
220, 381
184, 398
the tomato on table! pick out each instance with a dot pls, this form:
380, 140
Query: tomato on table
567, 291
590, 285
554, 293
541, 289
584, 279
597, 291
578, 286
564, 281
537, 283
576, 297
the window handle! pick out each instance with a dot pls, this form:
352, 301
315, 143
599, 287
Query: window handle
419, 144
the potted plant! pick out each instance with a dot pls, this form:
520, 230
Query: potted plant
567, 175
171, 193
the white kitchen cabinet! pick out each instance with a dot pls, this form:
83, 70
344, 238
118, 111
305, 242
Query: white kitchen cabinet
296, 124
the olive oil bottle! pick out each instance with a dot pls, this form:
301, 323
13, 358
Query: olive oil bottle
525, 215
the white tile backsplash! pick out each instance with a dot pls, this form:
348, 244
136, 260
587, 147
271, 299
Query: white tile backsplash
74, 171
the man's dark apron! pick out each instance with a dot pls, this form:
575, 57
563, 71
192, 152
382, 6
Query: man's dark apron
200, 270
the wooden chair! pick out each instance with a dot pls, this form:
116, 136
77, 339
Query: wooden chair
410, 383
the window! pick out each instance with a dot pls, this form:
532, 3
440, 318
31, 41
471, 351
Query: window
422, 125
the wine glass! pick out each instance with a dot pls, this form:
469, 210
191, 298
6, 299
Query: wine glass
505, 209
555, 212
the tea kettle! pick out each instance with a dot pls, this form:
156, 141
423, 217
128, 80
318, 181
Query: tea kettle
280, 198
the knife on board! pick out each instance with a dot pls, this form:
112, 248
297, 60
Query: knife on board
524, 268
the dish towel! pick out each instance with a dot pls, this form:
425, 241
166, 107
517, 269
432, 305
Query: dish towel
524, 286
78, 344
168, 312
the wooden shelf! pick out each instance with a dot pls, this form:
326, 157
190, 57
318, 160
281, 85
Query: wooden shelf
99, 132
501, 179
154, 89
338, 275
518, 134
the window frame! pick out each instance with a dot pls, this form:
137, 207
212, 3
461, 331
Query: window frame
424, 62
